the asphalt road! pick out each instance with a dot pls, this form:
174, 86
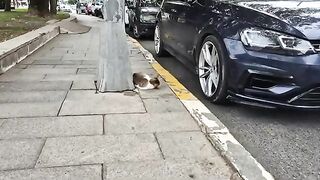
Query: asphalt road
286, 143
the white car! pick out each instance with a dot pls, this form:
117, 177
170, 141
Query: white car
65, 8
94, 6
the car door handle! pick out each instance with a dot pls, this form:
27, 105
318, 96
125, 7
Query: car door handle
173, 10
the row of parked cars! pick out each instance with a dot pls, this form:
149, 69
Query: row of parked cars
94, 8
258, 52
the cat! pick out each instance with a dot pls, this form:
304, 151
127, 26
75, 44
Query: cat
144, 81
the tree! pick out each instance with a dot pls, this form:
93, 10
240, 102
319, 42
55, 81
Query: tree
7, 5
53, 6
39, 7
72, 1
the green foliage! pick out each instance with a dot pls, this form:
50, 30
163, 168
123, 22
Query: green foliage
62, 15
19, 21
72, 1
8, 16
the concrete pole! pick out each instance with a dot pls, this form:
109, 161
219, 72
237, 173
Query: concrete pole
114, 67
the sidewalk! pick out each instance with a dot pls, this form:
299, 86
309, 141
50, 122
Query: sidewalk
54, 126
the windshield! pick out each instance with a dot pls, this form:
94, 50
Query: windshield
296, 1
150, 3
279, 3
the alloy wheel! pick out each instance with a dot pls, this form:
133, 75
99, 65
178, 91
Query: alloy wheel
209, 69
157, 39
136, 31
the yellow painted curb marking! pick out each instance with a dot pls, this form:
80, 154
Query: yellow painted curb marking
175, 85
181, 92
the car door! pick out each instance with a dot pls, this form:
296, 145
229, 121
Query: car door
176, 11
190, 20
167, 23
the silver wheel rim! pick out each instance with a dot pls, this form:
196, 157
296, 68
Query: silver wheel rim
135, 31
157, 39
209, 69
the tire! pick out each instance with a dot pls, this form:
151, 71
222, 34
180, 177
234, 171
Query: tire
130, 27
136, 32
158, 44
213, 69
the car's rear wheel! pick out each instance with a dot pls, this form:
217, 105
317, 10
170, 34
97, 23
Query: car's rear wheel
158, 44
136, 32
212, 69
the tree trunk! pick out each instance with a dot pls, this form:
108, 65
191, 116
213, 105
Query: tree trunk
39, 7
7, 5
53, 7
44, 8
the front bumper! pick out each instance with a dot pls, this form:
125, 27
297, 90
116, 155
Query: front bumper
273, 80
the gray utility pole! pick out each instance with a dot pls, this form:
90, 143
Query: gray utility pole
114, 67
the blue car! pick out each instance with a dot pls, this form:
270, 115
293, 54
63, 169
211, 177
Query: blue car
261, 52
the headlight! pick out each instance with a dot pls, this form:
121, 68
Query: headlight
148, 18
274, 42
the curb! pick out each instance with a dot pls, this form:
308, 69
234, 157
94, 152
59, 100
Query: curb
15, 50
217, 133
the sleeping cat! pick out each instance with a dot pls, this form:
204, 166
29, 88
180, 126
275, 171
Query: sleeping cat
144, 81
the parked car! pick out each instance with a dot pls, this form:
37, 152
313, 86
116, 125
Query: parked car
97, 9
255, 52
81, 8
65, 8
88, 9
126, 15
142, 16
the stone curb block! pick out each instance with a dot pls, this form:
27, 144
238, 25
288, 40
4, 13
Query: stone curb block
15, 50
217, 133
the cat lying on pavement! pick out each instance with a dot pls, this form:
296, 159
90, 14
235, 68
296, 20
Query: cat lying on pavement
144, 81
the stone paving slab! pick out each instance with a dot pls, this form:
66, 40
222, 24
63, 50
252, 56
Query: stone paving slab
75, 66
85, 172
98, 149
80, 102
19, 77
69, 77
73, 57
87, 71
18, 154
91, 60
48, 56
83, 85
57, 62
164, 105
186, 145
150, 72
32, 96
35, 86
51, 127
163, 91
149, 123
11, 110
31, 66
1, 122
167, 170
44, 70
139, 68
